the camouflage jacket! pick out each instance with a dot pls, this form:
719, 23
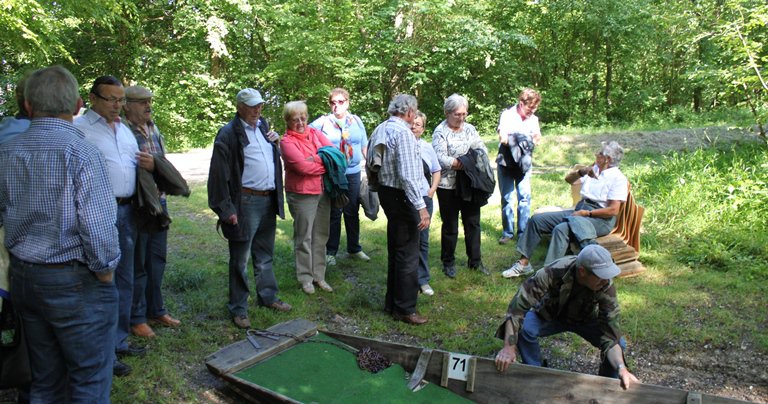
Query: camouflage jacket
554, 294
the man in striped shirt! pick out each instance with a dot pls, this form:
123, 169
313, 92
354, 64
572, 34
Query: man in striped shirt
395, 154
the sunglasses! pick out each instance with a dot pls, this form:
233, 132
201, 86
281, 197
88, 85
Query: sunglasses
337, 102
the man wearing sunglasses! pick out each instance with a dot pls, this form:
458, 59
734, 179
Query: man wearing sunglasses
103, 128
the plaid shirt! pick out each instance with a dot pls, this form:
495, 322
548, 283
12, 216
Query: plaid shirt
401, 165
56, 201
150, 141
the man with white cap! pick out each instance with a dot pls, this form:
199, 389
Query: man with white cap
576, 294
245, 190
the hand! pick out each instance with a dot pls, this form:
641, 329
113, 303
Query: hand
505, 357
146, 161
423, 219
536, 138
232, 220
582, 212
273, 136
105, 277
431, 193
590, 171
457, 165
627, 378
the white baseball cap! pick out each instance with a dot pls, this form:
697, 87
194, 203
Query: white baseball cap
249, 97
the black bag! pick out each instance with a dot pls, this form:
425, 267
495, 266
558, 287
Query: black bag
14, 357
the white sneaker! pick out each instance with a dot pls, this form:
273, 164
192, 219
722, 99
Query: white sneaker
517, 270
330, 260
427, 290
360, 255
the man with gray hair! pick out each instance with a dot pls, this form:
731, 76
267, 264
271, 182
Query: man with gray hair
57, 206
603, 188
245, 190
394, 155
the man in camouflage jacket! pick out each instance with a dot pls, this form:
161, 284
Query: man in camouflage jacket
576, 294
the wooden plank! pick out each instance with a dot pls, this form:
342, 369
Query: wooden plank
523, 383
242, 354
444, 369
471, 374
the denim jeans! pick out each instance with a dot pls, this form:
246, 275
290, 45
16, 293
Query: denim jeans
148, 271
535, 327
351, 220
508, 184
258, 222
126, 229
70, 320
424, 247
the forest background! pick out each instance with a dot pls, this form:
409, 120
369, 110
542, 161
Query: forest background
596, 62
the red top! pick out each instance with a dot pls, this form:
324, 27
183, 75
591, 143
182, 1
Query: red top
303, 167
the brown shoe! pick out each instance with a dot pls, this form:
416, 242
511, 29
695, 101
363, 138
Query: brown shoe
242, 322
142, 330
166, 320
413, 319
280, 305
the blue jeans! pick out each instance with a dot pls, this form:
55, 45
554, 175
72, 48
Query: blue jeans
149, 268
508, 184
126, 229
70, 320
535, 327
351, 220
424, 247
258, 222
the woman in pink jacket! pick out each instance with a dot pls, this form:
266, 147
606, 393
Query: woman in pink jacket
308, 204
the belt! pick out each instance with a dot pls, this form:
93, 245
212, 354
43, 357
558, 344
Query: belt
124, 201
256, 192
61, 265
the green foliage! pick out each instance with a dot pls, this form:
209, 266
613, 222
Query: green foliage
596, 63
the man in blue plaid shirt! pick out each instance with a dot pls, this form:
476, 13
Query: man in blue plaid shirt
57, 206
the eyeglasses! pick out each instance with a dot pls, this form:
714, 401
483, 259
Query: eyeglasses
147, 101
418, 125
459, 115
300, 119
337, 102
111, 100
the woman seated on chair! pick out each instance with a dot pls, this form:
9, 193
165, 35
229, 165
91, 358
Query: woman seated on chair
603, 188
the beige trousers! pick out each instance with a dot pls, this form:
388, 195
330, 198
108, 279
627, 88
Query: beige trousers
311, 225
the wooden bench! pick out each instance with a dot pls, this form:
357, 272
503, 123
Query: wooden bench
624, 241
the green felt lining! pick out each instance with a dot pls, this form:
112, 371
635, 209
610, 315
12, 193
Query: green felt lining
325, 373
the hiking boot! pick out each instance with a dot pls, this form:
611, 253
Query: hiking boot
450, 271
481, 267
330, 260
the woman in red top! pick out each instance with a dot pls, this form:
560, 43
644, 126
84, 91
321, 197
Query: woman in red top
308, 204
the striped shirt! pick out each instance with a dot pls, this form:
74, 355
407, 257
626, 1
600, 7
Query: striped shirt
401, 165
56, 201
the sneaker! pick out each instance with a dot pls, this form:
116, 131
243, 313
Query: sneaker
308, 288
504, 240
517, 270
360, 255
427, 290
330, 260
324, 286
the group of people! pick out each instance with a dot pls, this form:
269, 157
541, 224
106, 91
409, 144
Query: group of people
80, 262
82, 203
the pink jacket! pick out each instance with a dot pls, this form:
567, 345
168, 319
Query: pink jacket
303, 167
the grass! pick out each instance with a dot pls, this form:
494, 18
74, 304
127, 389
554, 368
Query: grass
703, 244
